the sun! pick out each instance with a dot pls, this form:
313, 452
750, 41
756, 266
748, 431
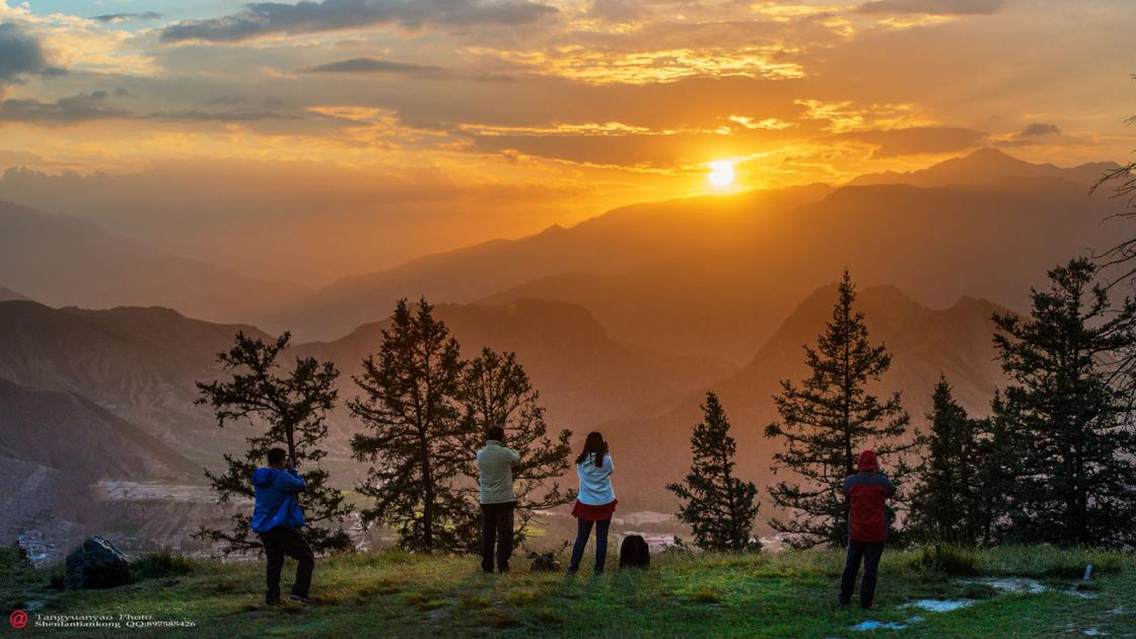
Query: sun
721, 174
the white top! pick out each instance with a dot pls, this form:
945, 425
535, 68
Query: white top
595, 481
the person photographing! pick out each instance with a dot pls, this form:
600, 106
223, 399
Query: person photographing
278, 519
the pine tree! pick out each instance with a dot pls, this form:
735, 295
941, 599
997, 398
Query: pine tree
997, 473
1077, 472
946, 505
719, 507
827, 419
290, 410
413, 434
496, 391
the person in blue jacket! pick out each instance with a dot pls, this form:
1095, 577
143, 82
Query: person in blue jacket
278, 518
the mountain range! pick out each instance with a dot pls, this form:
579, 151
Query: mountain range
713, 277
65, 261
623, 321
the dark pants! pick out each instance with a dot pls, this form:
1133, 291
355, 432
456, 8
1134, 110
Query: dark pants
870, 553
496, 528
278, 543
583, 530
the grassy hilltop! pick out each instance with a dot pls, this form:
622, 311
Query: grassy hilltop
790, 594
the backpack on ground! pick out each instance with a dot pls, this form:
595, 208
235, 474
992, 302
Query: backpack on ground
634, 552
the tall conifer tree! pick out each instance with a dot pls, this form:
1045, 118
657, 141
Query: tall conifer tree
413, 433
946, 502
827, 420
997, 472
1073, 424
288, 410
719, 507
496, 391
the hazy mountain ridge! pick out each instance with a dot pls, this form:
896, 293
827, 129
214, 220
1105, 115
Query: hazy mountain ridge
617, 241
988, 167
141, 363
8, 295
72, 434
584, 376
138, 363
645, 260
54, 445
937, 243
622, 321
923, 342
94, 269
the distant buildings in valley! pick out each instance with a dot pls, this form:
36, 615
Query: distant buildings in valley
38, 551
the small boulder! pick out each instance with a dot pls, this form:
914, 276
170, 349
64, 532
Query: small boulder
97, 563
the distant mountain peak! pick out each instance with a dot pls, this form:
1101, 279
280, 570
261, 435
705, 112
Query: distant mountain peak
8, 295
985, 166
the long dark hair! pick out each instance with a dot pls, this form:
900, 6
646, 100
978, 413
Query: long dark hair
593, 444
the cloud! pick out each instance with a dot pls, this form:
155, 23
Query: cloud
372, 65
1039, 134
596, 66
1039, 129
81, 107
198, 115
20, 54
117, 18
917, 140
932, 7
274, 18
618, 11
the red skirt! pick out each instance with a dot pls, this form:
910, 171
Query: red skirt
588, 512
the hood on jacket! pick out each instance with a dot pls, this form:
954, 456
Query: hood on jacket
867, 461
262, 477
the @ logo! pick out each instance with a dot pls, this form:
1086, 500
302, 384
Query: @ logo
18, 619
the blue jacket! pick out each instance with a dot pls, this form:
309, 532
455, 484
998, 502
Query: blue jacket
276, 503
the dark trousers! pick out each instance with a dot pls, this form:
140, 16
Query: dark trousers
583, 530
496, 529
870, 553
278, 543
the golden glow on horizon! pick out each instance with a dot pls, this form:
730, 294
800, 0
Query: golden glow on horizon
722, 174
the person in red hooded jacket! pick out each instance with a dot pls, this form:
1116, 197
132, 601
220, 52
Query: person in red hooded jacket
867, 492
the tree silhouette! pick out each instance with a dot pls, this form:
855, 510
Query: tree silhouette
496, 391
1072, 421
413, 433
287, 409
827, 419
719, 507
946, 504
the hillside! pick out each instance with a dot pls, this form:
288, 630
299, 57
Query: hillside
71, 434
54, 446
584, 376
139, 364
923, 342
8, 295
95, 269
766, 595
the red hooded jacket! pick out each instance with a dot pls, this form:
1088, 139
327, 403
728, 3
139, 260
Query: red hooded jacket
867, 492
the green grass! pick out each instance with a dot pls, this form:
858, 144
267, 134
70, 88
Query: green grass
791, 594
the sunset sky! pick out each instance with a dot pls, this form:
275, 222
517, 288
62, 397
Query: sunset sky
435, 123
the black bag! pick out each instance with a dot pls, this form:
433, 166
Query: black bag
634, 552
96, 564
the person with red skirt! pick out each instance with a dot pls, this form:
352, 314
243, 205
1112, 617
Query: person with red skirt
595, 500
